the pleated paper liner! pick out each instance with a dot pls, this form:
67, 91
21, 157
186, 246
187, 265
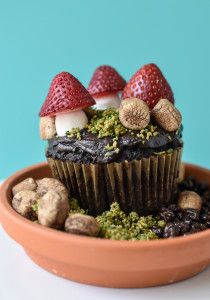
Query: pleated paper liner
143, 185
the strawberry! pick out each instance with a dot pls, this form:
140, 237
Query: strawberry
105, 80
66, 93
149, 85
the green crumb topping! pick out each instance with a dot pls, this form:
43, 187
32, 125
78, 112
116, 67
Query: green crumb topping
159, 153
106, 123
74, 132
75, 208
35, 207
116, 225
111, 147
170, 150
161, 223
147, 132
107, 154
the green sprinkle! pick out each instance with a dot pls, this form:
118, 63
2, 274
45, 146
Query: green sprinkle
116, 225
107, 123
161, 223
147, 132
117, 150
159, 153
112, 147
107, 154
35, 206
75, 208
75, 132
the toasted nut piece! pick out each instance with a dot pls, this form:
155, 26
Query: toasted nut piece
134, 113
46, 184
82, 224
22, 202
53, 210
167, 115
181, 175
47, 128
189, 199
28, 184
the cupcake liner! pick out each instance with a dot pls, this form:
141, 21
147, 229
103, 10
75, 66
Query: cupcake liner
144, 186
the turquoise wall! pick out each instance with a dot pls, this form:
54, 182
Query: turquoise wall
41, 38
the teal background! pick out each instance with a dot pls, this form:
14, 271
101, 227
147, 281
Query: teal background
38, 39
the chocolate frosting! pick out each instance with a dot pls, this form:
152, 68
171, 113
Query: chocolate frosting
91, 149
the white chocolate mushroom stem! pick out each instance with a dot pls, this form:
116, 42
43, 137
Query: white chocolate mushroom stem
108, 101
67, 121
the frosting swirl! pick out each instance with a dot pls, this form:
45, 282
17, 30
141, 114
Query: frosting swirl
91, 149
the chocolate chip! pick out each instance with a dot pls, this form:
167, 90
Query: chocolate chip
158, 231
184, 227
192, 214
205, 217
167, 215
171, 230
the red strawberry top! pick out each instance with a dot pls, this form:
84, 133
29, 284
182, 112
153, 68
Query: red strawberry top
66, 93
105, 80
149, 85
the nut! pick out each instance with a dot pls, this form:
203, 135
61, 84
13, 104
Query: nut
189, 199
46, 184
181, 175
53, 210
82, 224
166, 115
134, 113
47, 128
22, 202
28, 184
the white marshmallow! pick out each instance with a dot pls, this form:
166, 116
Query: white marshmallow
66, 121
108, 101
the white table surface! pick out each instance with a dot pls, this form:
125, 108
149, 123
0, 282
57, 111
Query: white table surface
21, 279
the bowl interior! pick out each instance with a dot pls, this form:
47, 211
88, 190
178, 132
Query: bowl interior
105, 262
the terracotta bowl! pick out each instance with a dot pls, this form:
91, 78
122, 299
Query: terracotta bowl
102, 262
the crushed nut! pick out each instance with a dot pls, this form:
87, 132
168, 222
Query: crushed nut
189, 199
53, 209
46, 184
22, 202
47, 128
28, 184
134, 113
82, 224
167, 115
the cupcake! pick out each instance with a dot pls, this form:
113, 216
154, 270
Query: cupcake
128, 150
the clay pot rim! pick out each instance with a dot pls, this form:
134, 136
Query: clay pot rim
56, 235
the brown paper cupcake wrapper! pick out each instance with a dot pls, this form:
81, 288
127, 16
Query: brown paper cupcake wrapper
143, 185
